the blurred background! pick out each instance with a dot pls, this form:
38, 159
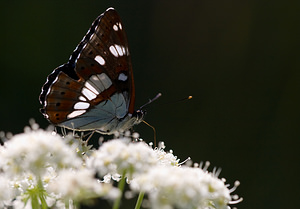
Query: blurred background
238, 59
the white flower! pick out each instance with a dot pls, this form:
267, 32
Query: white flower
119, 156
39, 168
6, 191
22, 183
25, 186
34, 151
182, 187
18, 203
165, 158
80, 185
108, 177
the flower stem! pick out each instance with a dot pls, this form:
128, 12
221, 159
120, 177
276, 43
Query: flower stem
42, 193
139, 201
34, 201
37, 195
121, 188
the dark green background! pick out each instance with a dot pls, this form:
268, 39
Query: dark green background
239, 60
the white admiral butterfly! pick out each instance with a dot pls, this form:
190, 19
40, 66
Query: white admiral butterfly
94, 90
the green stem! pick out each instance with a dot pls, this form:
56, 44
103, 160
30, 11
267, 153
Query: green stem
37, 193
42, 193
34, 201
121, 188
139, 200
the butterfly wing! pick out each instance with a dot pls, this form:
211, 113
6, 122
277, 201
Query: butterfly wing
95, 89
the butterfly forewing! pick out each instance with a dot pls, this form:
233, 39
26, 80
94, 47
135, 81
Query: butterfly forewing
95, 88
107, 51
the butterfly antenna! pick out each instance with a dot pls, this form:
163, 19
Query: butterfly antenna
179, 100
154, 131
186, 98
151, 100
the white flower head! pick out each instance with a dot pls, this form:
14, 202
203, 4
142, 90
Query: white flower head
80, 185
34, 151
165, 158
119, 156
182, 187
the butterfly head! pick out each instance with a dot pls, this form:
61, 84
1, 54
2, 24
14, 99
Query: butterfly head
139, 116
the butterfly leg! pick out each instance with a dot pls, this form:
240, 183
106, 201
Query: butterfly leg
90, 136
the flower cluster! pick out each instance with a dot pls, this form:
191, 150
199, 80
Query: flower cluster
40, 169
80, 185
182, 187
121, 156
35, 151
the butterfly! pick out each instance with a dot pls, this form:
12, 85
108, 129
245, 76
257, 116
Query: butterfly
94, 90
